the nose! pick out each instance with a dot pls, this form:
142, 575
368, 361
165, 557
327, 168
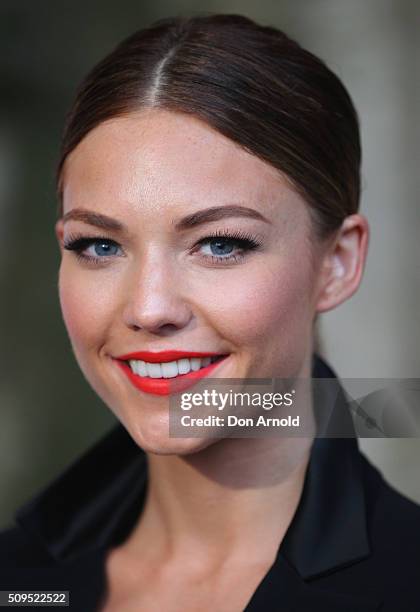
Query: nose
154, 301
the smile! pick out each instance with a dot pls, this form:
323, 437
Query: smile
170, 369
167, 372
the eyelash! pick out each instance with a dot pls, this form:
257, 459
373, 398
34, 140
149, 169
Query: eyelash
78, 243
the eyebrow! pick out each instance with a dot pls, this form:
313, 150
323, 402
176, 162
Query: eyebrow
218, 212
96, 219
214, 213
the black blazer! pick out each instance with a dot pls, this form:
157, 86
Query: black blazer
353, 544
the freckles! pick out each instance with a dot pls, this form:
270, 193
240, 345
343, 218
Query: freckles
86, 308
261, 301
245, 302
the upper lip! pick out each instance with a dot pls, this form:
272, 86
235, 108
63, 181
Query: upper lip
163, 356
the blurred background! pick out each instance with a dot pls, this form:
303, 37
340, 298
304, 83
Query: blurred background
48, 413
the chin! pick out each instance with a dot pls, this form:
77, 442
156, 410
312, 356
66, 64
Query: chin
160, 443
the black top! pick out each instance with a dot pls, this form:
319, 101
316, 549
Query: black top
353, 544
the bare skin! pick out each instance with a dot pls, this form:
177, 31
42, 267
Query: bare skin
217, 510
204, 565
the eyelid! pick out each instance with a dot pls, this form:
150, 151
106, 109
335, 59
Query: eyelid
231, 230
248, 242
78, 243
219, 233
237, 234
75, 238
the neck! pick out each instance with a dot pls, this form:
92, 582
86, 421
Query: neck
235, 496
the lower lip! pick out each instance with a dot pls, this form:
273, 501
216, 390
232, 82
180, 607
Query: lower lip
166, 386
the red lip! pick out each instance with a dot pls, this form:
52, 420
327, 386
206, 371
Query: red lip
166, 386
163, 356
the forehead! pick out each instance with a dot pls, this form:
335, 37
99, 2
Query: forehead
156, 156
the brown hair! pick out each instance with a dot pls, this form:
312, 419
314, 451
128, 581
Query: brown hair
251, 83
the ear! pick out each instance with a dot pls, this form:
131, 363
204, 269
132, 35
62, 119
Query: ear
59, 232
343, 263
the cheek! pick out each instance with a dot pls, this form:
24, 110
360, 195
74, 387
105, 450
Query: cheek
265, 303
86, 306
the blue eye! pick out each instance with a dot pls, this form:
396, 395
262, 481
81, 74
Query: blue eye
224, 247
102, 247
220, 248
98, 245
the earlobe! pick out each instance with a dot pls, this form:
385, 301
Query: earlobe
344, 263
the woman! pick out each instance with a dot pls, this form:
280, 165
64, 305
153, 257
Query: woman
208, 211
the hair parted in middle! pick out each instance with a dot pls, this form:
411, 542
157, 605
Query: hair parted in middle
251, 83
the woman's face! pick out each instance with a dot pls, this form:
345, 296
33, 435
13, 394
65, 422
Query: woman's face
158, 284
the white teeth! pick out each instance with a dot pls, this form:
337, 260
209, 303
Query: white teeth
195, 364
154, 370
138, 367
170, 369
141, 368
183, 366
134, 365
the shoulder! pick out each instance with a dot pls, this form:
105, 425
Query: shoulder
26, 565
393, 517
394, 528
19, 549
389, 570
393, 566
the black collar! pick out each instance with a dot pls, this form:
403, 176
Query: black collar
95, 502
